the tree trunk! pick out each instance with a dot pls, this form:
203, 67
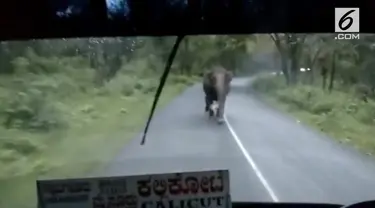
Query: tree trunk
333, 72
5, 59
312, 66
324, 76
283, 57
293, 70
284, 69
295, 45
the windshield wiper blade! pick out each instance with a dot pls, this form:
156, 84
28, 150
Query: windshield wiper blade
163, 79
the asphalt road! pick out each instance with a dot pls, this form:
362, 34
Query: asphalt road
270, 156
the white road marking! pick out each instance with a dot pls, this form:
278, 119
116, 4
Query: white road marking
251, 162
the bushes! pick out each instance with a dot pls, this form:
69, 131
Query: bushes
34, 64
123, 85
31, 93
31, 110
143, 67
310, 99
315, 101
136, 77
30, 102
181, 79
45, 94
266, 84
341, 114
365, 112
14, 147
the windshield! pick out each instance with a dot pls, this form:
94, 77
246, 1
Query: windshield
297, 126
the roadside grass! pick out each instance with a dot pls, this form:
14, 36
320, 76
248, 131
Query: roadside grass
95, 125
339, 114
84, 147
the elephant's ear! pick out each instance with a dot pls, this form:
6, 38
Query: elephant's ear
210, 76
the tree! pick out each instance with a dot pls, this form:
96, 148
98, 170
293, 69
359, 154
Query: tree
289, 46
336, 63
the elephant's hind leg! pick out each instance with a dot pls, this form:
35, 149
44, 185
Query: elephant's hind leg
211, 113
207, 108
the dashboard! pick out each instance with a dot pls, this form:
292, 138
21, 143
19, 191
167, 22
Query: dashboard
365, 204
282, 205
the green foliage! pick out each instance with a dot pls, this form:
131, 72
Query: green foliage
266, 85
341, 114
48, 74
367, 74
83, 98
312, 99
181, 79
31, 110
13, 148
338, 95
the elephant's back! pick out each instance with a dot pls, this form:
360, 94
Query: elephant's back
219, 69
214, 70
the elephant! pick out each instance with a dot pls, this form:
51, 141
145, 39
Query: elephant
216, 86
